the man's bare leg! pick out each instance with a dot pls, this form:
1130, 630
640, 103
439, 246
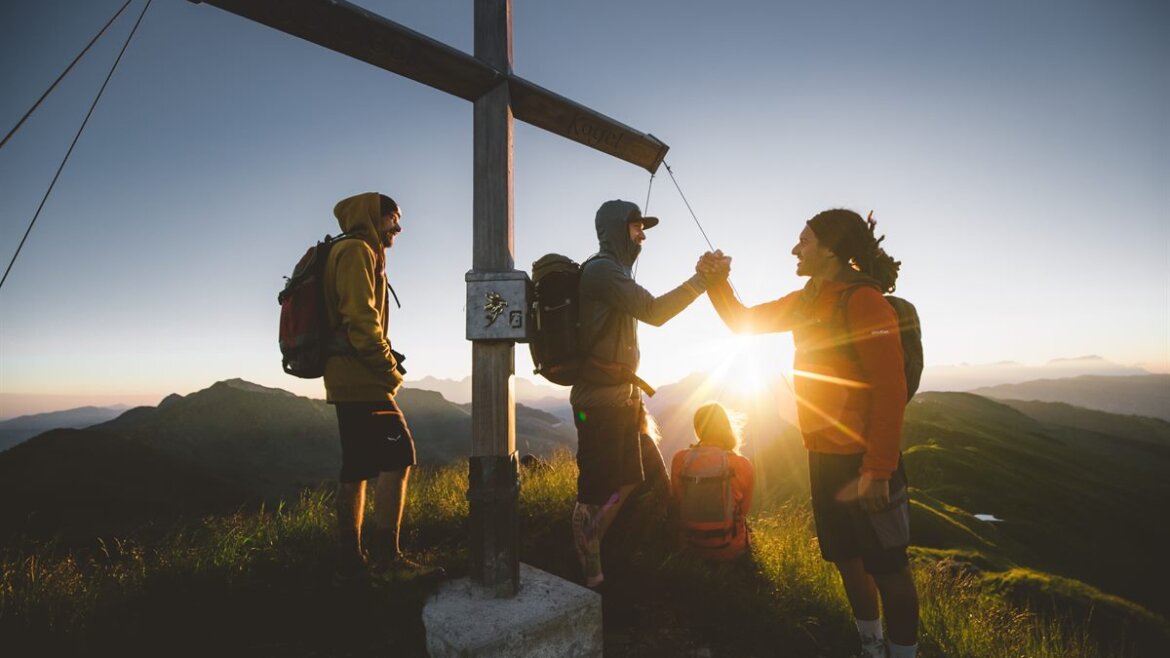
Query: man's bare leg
351, 503
862, 593
859, 588
590, 522
900, 604
389, 503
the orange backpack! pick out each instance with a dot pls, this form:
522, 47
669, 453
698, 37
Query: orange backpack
707, 509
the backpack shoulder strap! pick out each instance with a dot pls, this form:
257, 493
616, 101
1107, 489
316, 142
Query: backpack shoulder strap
841, 309
694, 453
690, 457
840, 319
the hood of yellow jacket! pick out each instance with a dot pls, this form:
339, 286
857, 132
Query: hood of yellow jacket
359, 215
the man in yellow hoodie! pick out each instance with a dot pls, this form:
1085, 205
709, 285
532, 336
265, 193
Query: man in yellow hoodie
362, 376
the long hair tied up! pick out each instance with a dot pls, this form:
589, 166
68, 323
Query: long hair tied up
854, 241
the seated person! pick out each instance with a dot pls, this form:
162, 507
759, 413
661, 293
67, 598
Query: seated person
711, 487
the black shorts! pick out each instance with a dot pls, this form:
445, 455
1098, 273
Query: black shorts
374, 439
608, 451
846, 532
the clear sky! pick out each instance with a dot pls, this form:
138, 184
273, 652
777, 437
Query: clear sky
1016, 153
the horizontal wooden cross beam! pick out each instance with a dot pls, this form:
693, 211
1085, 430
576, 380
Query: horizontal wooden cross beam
364, 35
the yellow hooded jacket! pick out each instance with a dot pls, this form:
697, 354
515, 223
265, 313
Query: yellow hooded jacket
355, 296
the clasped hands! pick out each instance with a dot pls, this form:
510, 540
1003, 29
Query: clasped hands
714, 264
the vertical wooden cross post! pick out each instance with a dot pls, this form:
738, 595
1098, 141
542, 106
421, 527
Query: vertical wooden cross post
493, 469
498, 96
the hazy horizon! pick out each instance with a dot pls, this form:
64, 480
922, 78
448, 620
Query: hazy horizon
969, 376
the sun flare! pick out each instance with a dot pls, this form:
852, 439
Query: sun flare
749, 365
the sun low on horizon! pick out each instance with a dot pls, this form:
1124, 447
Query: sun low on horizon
746, 367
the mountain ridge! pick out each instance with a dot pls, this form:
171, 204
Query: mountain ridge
271, 442
15, 430
1137, 395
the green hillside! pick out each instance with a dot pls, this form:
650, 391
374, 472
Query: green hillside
260, 584
1062, 415
79, 484
1073, 548
1070, 502
268, 442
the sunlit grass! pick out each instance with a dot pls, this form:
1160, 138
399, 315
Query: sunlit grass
281, 557
960, 618
786, 553
552, 490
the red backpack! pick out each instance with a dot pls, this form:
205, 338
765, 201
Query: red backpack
304, 321
707, 509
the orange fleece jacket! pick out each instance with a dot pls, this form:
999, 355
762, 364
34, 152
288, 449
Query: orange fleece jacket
848, 401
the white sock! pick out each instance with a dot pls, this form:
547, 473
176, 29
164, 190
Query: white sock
902, 651
869, 629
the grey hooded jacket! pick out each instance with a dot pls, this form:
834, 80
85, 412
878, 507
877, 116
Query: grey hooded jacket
612, 303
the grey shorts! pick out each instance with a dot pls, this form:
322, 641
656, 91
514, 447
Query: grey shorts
846, 532
609, 453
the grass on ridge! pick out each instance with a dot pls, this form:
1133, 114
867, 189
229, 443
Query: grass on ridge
260, 583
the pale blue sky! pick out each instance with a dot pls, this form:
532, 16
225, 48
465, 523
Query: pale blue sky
1017, 155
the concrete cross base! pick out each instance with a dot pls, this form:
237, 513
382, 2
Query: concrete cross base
548, 617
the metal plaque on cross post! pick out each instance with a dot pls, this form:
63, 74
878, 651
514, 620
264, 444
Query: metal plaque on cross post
497, 294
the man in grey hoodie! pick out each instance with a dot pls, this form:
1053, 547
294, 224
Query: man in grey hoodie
607, 404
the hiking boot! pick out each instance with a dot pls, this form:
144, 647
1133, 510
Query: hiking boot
873, 648
598, 588
351, 573
402, 569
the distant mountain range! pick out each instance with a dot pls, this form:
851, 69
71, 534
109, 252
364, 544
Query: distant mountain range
244, 441
965, 377
15, 430
1142, 395
532, 394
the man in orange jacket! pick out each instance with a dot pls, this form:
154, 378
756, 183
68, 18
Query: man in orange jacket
851, 397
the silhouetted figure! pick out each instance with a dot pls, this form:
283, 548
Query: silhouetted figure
534, 463
711, 487
362, 376
607, 404
851, 397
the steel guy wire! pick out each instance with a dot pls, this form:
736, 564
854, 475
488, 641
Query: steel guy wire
63, 74
74, 143
695, 217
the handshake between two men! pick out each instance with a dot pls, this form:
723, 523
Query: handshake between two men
714, 263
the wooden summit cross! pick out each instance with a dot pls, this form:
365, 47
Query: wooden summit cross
487, 80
